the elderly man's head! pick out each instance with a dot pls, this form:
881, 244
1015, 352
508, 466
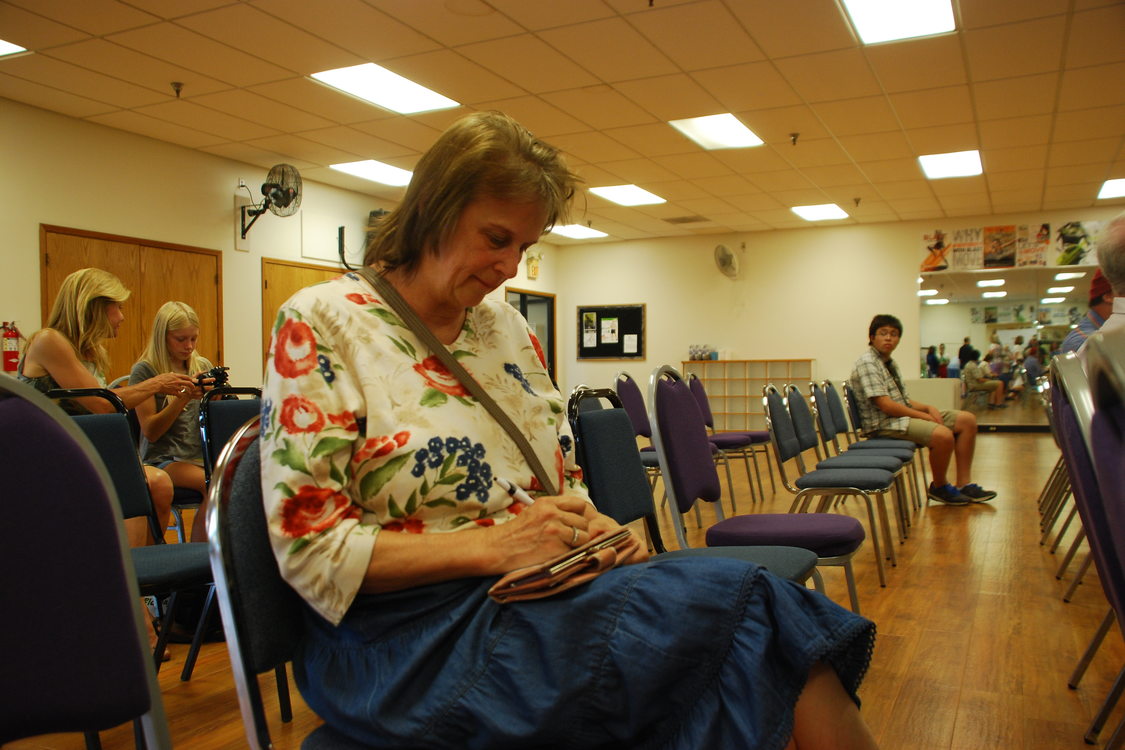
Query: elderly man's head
1111, 254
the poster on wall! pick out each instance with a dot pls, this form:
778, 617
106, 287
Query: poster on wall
999, 246
937, 251
1019, 313
1008, 246
967, 250
1077, 243
1031, 244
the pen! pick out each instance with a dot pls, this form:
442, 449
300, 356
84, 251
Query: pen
513, 490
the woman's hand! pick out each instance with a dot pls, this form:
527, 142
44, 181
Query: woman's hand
175, 384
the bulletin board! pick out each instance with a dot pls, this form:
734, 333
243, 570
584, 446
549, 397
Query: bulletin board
611, 332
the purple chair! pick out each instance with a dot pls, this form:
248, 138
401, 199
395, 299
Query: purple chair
634, 404
1074, 411
104, 674
746, 445
689, 471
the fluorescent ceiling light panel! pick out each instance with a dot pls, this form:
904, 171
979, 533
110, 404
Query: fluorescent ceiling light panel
627, 195
7, 48
1069, 275
717, 131
953, 164
887, 20
937, 302
1060, 289
927, 292
1051, 300
819, 212
994, 294
384, 88
578, 232
1112, 189
376, 171
991, 282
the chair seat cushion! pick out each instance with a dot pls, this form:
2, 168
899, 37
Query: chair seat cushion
162, 567
791, 563
876, 460
860, 479
826, 534
186, 496
884, 443
733, 440
905, 455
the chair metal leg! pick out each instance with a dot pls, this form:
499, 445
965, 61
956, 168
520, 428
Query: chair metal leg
1089, 558
1088, 654
1062, 531
200, 631
165, 628
93, 741
849, 575
179, 523
283, 701
1108, 705
817, 580
1078, 538
1117, 741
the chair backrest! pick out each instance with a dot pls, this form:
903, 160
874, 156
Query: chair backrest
606, 448
823, 411
633, 402
261, 613
1073, 408
56, 676
113, 440
780, 425
701, 400
836, 409
804, 427
681, 442
853, 407
220, 416
1105, 363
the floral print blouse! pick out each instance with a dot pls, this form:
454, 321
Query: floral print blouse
365, 432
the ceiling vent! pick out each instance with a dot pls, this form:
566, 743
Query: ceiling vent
686, 219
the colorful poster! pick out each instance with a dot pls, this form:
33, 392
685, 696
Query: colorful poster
1031, 244
999, 247
937, 252
1076, 244
966, 250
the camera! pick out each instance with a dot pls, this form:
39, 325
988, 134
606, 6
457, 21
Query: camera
218, 373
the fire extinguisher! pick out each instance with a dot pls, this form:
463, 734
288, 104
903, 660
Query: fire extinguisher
11, 346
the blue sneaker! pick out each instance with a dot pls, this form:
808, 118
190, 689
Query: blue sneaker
948, 494
976, 493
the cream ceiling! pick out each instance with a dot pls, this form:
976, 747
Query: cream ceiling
1037, 85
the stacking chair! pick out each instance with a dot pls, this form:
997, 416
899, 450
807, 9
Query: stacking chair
634, 403
263, 615
221, 413
846, 412
689, 476
744, 445
612, 470
1073, 409
57, 677
163, 570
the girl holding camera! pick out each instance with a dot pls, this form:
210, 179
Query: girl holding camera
170, 423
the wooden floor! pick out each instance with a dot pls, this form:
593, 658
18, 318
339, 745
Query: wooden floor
974, 642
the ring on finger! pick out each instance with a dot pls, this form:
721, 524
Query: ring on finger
574, 536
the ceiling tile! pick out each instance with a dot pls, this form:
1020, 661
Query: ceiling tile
540, 67
353, 25
1078, 194
697, 36
403, 130
252, 154
899, 189
1015, 97
1095, 151
1097, 37
1017, 131
1016, 159
976, 13
312, 96
66, 77
593, 147
748, 86
192, 51
774, 125
303, 148
207, 120
538, 116
678, 190
870, 114
708, 207
959, 186
1022, 179
256, 108
1015, 49
786, 179
538, 16
671, 97
610, 49
654, 139
944, 139
927, 63
726, 185
913, 205
821, 23
814, 152
637, 171
126, 64
600, 107
877, 146
977, 202
151, 127
1100, 84
1090, 123
755, 202
693, 166
1077, 174
452, 75
451, 22
175, 8
49, 98
750, 161
891, 170
96, 17
944, 106
834, 174
357, 142
827, 76
32, 31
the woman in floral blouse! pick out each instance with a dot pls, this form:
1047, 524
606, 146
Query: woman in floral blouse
378, 473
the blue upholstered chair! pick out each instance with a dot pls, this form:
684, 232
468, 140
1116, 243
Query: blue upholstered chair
59, 676
689, 472
612, 471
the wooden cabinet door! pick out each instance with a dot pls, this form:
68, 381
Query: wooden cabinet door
280, 280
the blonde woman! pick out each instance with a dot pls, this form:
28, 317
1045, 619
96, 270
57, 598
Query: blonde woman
170, 423
68, 353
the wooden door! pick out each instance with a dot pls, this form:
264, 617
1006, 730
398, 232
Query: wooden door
154, 272
280, 280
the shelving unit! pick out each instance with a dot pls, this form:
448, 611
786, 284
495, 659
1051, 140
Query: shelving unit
734, 387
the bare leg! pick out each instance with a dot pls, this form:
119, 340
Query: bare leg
997, 396
965, 428
192, 477
137, 531
826, 718
941, 451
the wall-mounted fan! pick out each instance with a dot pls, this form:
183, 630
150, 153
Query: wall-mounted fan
281, 195
726, 261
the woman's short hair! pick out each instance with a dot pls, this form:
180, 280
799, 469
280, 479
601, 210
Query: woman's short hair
172, 316
485, 154
80, 315
884, 321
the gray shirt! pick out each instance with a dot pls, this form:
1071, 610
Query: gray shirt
181, 441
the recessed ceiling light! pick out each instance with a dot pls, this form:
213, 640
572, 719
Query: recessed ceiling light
1069, 275
919, 279
376, 171
627, 195
927, 292
937, 302
578, 232
717, 131
819, 212
1112, 189
887, 20
994, 294
1051, 300
953, 164
1060, 289
7, 48
991, 282
380, 86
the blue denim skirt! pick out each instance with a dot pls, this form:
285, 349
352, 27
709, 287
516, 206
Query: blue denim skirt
682, 653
